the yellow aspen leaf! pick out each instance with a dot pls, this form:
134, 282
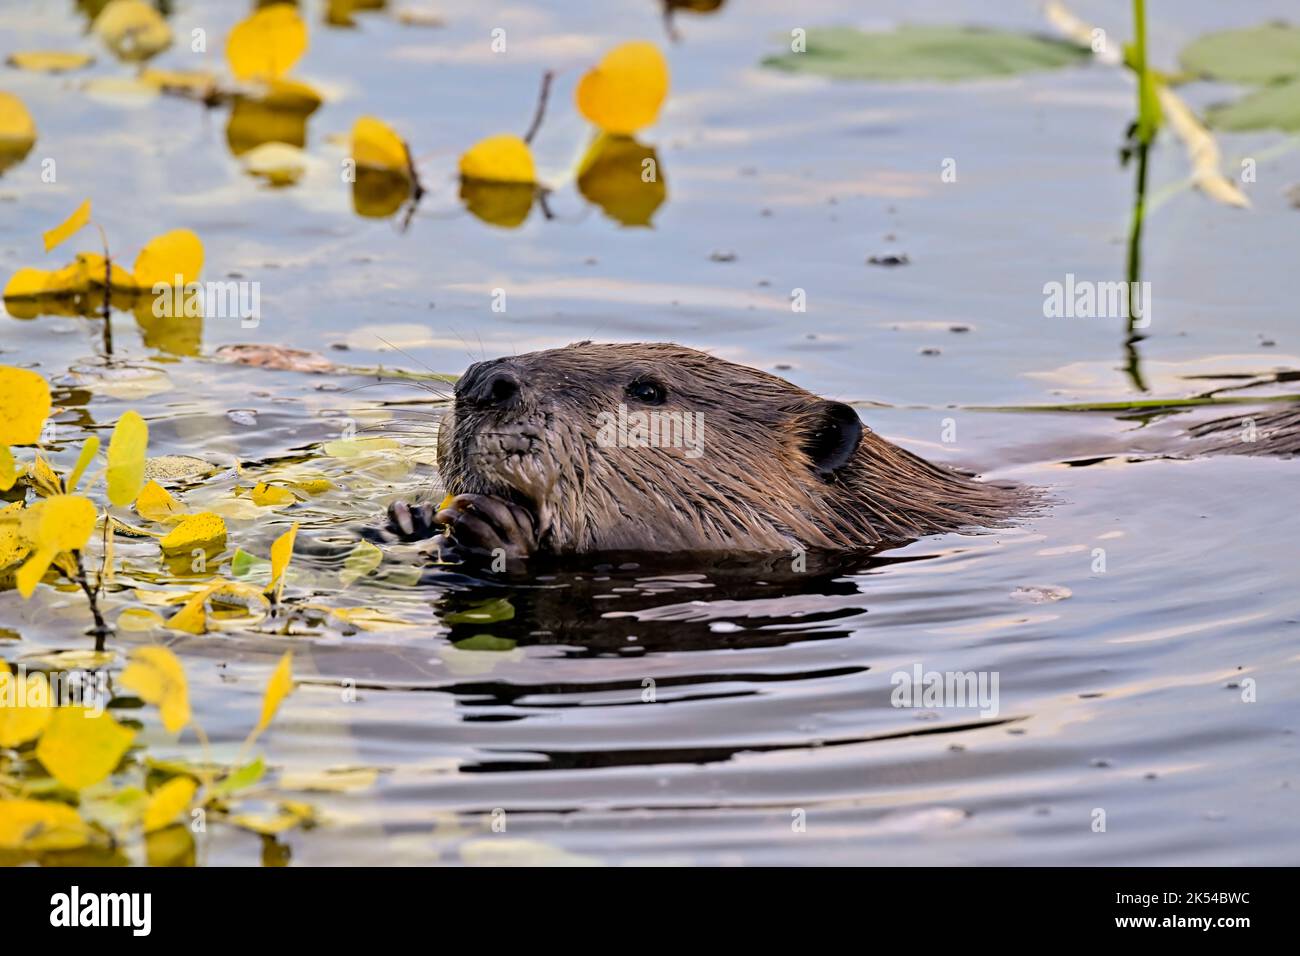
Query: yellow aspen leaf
333, 780
87, 272
17, 131
204, 530
13, 547
499, 159
376, 146
156, 676
81, 747
167, 802
174, 259
29, 575
126, 451
39, 825
24, 406
88, 452
24, 707
44, 480
64, 522
49, 61
28, 284
624, 92
288, 815
281, 555
313, 486
277, 689
80, 216
266, 495
193, 617
197, 83
132, 29
8, 468
266, 45
154, 503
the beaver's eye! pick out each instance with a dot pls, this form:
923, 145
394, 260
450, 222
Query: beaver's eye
651, 393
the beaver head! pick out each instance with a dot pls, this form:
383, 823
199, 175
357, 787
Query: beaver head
656, 447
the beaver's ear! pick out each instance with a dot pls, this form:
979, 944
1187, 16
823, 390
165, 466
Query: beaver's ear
832, 437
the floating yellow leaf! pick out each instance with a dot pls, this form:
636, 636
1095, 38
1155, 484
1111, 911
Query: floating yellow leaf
334, 780
44, 480
376, 146
281, 554
277, 689
8, 469
174, 259
313, 486
126, 458
156, 676
169, 800
27, 284
287, 816
278, 163
81, 747
267, 44
80, 216
17, 131
24, 406
266, 495
90, 271
229, 604
156, 504
624, 91
13, 547
39, 825
205, 530
197, 83
132, 29
140, 620
499, 159
24, 707
49, 61
89, 449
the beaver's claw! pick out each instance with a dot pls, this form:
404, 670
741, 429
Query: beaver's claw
484, 528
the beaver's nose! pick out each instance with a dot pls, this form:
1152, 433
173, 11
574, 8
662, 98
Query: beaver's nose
490, 386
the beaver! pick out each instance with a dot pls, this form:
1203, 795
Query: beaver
655, 447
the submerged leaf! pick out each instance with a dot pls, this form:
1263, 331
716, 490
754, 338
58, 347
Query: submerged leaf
1271, 107
1256, 55
926, 53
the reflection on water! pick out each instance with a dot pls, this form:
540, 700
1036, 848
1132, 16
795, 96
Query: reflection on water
695, 714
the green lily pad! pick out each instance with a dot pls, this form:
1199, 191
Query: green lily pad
1262, 54
926, 53
1273, 107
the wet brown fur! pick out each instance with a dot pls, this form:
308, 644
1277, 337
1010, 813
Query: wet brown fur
754, 489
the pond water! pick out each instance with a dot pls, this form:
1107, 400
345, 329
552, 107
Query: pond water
1124, 622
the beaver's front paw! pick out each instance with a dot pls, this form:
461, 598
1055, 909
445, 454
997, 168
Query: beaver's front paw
483, 528
410, 522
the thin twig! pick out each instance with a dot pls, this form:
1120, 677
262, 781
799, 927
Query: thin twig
542, 97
